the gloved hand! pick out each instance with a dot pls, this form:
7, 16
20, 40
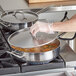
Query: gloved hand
41, 27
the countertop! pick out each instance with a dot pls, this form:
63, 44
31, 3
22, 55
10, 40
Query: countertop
68, 55
57, 3
22, 4
54, 72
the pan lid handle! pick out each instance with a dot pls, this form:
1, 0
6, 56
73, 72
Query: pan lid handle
17, 16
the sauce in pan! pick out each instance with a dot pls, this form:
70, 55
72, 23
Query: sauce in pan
44, 48
23, 41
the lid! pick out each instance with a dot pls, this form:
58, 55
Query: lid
19, 17
24, 39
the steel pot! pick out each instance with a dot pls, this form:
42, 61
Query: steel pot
31, 57
18, 19
43, 48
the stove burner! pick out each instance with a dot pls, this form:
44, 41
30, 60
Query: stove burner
38, 63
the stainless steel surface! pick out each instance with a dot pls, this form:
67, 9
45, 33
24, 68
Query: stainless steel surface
1, 9
17, 19
23, 39
37, 57
39, 67
54, 8
13, 20
46, 56
28, 16
68, 55
63, 8
42, 57
23, 65
43, 10
53, 72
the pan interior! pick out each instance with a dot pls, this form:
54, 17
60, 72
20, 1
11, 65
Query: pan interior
24, 39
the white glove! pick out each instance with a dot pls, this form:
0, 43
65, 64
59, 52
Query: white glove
41, 27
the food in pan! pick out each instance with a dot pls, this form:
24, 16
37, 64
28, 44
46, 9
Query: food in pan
44, 48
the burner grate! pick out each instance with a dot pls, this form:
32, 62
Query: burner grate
8, 65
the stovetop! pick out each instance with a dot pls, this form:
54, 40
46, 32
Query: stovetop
10, 64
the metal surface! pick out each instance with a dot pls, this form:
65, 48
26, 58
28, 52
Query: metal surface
40, 57
33, 49
23, 39
57, 63
1, 9
17, 19
17, 16
22, 65
37, 57
62, 8
14, 21
58, 8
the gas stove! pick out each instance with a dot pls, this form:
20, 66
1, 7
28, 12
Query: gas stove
10, 64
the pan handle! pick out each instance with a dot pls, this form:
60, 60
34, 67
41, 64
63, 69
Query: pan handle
12, 53
19, 12
5, 24
44, 9
2, 24
1, 9
67, 35
21, 59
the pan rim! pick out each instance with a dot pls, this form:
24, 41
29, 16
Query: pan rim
28, 47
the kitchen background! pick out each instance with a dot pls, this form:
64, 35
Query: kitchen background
68, 56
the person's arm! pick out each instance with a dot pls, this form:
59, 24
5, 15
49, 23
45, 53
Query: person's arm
66, 26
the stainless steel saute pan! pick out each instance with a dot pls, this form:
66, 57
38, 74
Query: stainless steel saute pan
18, 19
45, 47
